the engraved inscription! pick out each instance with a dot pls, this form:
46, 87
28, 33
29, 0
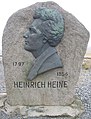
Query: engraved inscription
41, 84
62, 74
18, 63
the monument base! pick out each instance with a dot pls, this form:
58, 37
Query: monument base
69, 112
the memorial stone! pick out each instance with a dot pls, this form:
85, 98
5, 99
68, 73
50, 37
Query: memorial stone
48, 80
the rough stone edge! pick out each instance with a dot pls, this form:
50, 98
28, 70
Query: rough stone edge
72, 111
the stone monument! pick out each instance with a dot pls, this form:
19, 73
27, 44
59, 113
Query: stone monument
43, 49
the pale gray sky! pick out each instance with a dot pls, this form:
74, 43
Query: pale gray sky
81, 9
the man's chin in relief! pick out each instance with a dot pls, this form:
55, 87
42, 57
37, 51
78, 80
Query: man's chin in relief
43, 35
26, 47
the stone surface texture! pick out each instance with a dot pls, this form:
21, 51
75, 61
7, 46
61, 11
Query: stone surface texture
37, 111
2, 78
71, 50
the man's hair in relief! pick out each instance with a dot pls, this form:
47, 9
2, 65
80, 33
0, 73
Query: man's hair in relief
52, 26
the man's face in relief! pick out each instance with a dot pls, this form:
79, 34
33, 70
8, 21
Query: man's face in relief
33, 36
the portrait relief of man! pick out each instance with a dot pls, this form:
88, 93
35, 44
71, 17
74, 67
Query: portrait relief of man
43, 35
